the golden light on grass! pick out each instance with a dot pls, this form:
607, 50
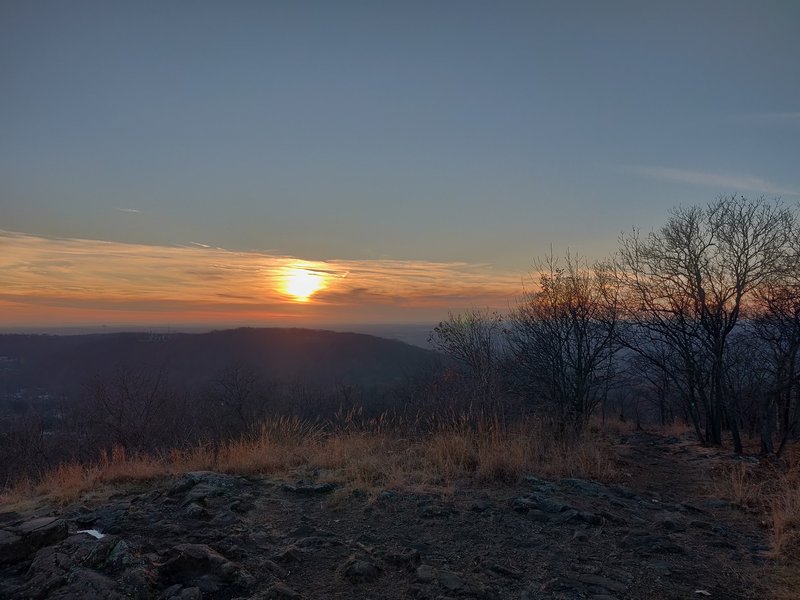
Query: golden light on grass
374, 455
301, 283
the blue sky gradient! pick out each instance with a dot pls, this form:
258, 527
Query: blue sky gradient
433, 131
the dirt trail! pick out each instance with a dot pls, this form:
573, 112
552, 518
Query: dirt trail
675, 468
208, 535
678, 471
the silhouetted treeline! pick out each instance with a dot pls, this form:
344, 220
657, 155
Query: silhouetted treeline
699, 319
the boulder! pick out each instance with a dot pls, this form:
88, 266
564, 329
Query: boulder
198, 564
12, 547
19, 542
360, 570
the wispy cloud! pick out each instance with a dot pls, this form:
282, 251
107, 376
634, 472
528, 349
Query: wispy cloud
131, 211
722, 182
72, 280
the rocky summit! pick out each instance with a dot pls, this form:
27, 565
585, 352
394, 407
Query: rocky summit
212, 535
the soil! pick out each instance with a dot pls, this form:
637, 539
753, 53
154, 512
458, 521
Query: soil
659, 534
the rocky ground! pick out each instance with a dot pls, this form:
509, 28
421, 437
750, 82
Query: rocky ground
208, 535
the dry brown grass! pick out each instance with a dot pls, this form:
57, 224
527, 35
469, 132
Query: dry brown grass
771, 490
677, 428
371, 456
784, 507
611, 425
785, 520
741, 483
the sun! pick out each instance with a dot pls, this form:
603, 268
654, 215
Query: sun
302, 283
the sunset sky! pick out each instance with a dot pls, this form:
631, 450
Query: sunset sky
192, 162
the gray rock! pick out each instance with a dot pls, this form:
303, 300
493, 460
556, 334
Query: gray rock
305, 489
225, 517
651, 544
671, 524
190, 560
360, 570
567, 515
505, 570
388, 496
137, 583
552, 506
624, 492
121, 556
10, 518
425, 574
195, 511
12, 547
538, 516
241, 506
536, 482
19, 542
280, 591
582, 486
538, 502
480, 506
318, 541
603, 582
85, 583
613, 518
433, 511
580, 536
42, 531
213, 483
172, 591
407, 557
288, 554
452, 582
713, 503
589, 518
274, 568
190, 593
523, 504
109, 518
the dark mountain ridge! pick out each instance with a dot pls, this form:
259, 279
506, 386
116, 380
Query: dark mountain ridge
309, 356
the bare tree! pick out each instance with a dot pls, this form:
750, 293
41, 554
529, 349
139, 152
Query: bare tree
776, 323
129, 408
240, 398
562, 337
653, 385
686, 285
474, 340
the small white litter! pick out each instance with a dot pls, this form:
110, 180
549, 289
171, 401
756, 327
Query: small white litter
702, 592
94, 533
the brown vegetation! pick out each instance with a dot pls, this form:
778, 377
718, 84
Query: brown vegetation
774, 491
372, 456
771, 491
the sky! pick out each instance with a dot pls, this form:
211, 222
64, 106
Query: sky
351, 162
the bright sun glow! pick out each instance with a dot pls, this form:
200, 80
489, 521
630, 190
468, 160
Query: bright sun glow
302, 283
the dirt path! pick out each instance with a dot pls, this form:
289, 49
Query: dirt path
675, 468
679, 472
208, 535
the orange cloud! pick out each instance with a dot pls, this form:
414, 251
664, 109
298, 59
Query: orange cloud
45, 281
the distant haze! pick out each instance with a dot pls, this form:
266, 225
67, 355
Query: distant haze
416, 334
